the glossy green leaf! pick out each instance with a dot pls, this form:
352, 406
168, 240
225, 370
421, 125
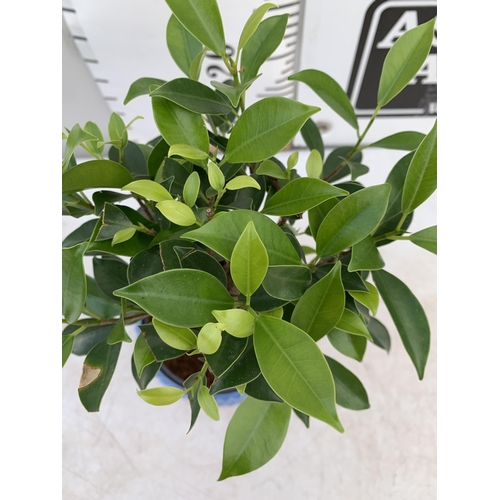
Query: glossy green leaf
142, 354
295, 368
210, 338
191, 189
93, 129
292, 160
141, 87
253, 23
426, 238
177, 212
161, 396
260, 389
357, 169
249, 261
370, 300
271, 169
113, 220
241, 182
136, 244
148, 374
303, 417
119, 334
207, 403
408, 316
238, 322
98, 369
76, 137
335, 163
317, 214
74, 283
67, 346
215, 176
177, 337
79, 235
350, 392
188, 152
87, 339
195, 259
352, 219
195, 69
95, 174
287, 282
123, 235
178, 125
321, 306
353, 324
261, 45
183, 47
110, 274
402, 141
230, 350
231, 92
353, 346
330, 92
300, 195
202, 19
404, 60
117, 130
365, 256
379, 334
312, 137
265, 128
132, 158
148, 189
161, 351
193, 96
314, 164
421, 179
193, 397
101, 197
192, 295
222, 233
254, 436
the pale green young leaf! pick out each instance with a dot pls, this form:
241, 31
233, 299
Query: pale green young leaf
177, 212
215, 176
295, 368
408, 316
292, 160
202, 19
254, 436
253, 23
76, 137
314, 164
123, 235
177, 337
249, 261
210, 338
330, 91
238, 322
148, 189
427, 238
321, 306
231, 92
187, 151
191, 189
207, 403
93, 129
275, 313
402, 141
195, 69
141, 87
365, 256
370, 299
161, 396
421, 179
241, 182
271, 169
265, 128
117, 130
404, 60
352, 323
74, 282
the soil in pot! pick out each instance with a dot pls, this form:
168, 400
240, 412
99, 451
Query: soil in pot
179, 369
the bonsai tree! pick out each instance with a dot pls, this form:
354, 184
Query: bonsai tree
209, 263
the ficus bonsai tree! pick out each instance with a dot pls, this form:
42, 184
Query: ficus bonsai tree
209, 263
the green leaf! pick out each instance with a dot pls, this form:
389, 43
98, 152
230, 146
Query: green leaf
195, 69
241, 182
161, 351
229, 352
188, 152
317, 214
74, 283
81, 234
98, 369
254, 436
87, 339
67, 346
379, 334
287, 282
161, 396
192, 295
292, 160
365, 256
303, 417
266, 39
295, 368
350, 391
231, 92
113, 220
95, 174
142, 354
314, 164
334, 161
427, 238
300, 195
178, 125
353, 346
101, 197
352, 219
177, 337
260, 389
249, 261
352, 323
191, 189
321, 306
148, 189
183, 47
210, 338
118, 333
177, 212
193, 397
207, 403
215, 176
195, 259
357, 169
330, 92
408, 316
202, 19
238, 322
91, 144
421, 179
404, 60
110, 273
253, 23
271, 169
148, 374
117, 130
369, 300
123, 235
312, 137
141, 87
194, 96
265, 128
76, 137
222, 233
402, 141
